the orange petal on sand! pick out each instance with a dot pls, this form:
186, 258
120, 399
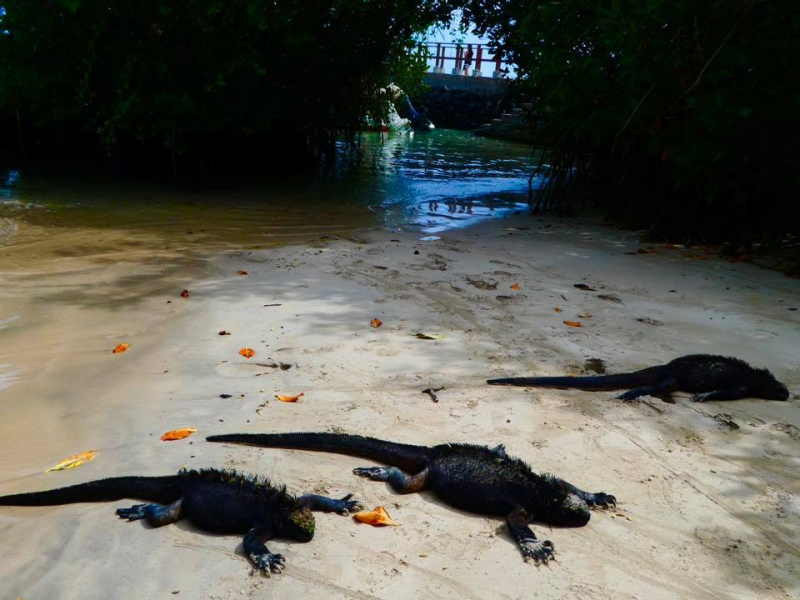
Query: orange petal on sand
247, 352
558, 310
185, 294
514, 286
120, 348
178, 434
573, 323
377, 517
585, 315
289, 398
376, 323
74, 461
241, 272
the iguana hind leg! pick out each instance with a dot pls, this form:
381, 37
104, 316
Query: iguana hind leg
665, 388
400, 482
255, 548
531, 547
343, 506
155, 514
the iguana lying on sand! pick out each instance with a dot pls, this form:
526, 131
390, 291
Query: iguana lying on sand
706, 376
473, 478
217, 501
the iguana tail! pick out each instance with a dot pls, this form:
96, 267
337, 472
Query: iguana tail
650, 376
405, 456
154, 489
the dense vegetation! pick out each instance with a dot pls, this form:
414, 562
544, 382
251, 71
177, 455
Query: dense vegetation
186, 82
680, 116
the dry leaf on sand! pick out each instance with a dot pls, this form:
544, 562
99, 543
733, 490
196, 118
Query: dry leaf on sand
378, 517
74, 461
289, 398
573, 323
375, 323
178, 434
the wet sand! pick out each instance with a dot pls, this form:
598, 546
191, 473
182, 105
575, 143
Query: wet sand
713, 510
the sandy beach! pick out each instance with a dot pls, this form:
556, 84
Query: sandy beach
709, 493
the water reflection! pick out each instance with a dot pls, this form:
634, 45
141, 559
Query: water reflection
446, 179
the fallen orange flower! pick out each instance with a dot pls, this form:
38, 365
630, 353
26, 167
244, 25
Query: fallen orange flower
573, 323
247, 352
289, 398
185, 294
178, 434
378, 517
376, 323
515, 286
74, 461
120, 348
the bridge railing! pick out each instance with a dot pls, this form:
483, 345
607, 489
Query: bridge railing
449, 57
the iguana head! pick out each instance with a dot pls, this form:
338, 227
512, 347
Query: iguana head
568, 511
769, 388
560, 505
300, 525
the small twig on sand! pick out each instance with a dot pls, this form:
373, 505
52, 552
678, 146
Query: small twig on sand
432, 393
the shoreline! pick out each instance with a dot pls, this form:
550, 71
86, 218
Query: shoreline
714, 511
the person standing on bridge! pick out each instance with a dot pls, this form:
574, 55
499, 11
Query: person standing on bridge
467, 59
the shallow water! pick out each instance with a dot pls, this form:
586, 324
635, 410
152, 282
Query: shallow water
428, 182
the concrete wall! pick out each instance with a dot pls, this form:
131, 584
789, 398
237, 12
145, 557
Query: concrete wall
484, 86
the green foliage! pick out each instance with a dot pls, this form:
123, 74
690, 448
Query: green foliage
196, 73
676, 115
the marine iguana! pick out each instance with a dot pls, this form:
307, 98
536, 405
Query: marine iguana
708, 377
469, 477
213, 500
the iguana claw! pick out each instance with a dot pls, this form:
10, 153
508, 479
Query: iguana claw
347, 506
540, 551
268, 563
134, 513
601, 500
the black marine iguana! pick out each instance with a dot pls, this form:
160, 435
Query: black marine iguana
469, 477
706, 376
216, 501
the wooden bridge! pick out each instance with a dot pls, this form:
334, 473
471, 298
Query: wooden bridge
445, 54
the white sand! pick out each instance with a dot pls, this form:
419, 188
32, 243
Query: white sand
714, 513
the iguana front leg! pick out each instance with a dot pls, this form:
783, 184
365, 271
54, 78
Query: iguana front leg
257, 551
343, 506
665, 388
155, 514
730, 394
400, 482
531, 547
